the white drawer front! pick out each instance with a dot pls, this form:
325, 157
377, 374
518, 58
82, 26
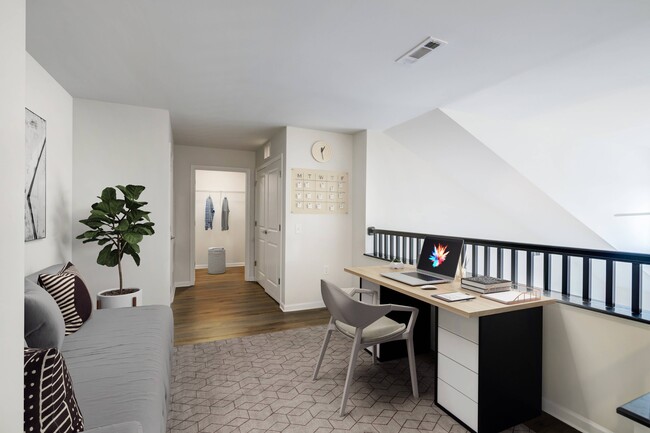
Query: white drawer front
458, 349
462, 407
459, 377
466, 328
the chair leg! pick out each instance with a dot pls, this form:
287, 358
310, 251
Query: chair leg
413, 372
374, 354
328, 334
353, 363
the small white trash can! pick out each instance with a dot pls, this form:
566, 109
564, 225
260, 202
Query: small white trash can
216, 260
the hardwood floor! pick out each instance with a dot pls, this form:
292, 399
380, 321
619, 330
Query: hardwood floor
224, 306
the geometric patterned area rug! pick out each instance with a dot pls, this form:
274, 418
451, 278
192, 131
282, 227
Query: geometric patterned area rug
263, 383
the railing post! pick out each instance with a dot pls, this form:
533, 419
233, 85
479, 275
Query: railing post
586, 279
486, 260
514, 266
610, 277
636, 288
474, 260
547, 271
566, 274
530, 275
499, 262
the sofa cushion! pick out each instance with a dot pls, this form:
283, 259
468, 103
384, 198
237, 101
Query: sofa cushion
44, 325
120, 362
82, 302
62, 288
70, 292
49, 400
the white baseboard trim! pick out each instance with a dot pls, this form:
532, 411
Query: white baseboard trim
304, 306
183, 284
228, 265
572, 418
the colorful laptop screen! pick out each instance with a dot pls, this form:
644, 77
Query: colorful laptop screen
440, 255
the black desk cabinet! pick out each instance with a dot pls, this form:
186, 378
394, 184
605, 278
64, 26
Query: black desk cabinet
489, 369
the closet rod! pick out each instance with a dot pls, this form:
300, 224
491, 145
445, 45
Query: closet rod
221, 192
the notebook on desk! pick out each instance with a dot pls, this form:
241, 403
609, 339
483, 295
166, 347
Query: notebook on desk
437, 263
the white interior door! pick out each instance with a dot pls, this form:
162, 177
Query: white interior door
268, 235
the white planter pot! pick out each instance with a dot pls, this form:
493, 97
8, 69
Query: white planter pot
118, 301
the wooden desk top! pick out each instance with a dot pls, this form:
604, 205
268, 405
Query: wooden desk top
477, 307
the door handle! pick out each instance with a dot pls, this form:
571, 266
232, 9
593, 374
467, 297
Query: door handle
266, 232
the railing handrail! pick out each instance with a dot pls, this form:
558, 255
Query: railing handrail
405, 246
619, 256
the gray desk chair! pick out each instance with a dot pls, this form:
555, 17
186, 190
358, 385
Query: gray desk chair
367, 325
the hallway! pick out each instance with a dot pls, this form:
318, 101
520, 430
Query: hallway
225, 306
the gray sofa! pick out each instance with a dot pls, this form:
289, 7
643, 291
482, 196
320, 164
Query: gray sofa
120, 360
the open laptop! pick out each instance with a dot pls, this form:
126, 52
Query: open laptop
438, 262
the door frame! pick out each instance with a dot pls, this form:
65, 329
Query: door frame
249, 238
283, 171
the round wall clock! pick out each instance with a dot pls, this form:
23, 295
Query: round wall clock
321, 151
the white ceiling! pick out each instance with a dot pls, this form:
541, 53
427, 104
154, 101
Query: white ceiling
231, 72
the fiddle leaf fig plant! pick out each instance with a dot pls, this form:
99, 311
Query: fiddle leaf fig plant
118, 224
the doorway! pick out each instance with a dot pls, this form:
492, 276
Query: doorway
221, 217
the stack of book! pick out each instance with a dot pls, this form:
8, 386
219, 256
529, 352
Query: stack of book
485, 284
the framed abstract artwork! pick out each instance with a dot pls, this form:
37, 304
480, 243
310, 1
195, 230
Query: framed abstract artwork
35, 141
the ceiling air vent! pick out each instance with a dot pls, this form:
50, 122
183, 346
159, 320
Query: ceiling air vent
419, 51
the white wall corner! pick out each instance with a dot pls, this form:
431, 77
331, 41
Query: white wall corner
572, 418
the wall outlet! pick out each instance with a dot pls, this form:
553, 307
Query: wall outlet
326, 269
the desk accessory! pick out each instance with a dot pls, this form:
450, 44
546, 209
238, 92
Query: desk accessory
485, 284
396, 264
517, 296
454, 296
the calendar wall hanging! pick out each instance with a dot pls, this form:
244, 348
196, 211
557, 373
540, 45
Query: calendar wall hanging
319, 191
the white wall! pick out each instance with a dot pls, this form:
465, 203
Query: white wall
219, 185
592, 364
12, 176
325, 240
118, 144
185, 157
45, 97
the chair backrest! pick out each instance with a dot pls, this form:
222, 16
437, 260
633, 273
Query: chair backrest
348, 310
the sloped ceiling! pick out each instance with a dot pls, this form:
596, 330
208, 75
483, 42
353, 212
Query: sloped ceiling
579, 129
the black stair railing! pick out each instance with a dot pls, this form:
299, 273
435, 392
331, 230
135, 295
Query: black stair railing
405, 246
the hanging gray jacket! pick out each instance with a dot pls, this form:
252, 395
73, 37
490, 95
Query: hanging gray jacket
225, 213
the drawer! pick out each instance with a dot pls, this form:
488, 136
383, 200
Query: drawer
459, 377
462, 326
458, 349
455, 402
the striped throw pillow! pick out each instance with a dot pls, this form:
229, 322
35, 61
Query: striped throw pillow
49, 403
62, 289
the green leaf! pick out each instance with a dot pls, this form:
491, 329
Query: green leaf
90, 234
108, 194
103, 241
115, 207
107, 256
132, 238
101, 206
131, 191
122, 226
92, 223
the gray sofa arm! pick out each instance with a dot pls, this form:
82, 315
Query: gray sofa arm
123, 427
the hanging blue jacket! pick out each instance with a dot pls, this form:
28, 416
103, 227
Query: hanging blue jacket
209, 213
